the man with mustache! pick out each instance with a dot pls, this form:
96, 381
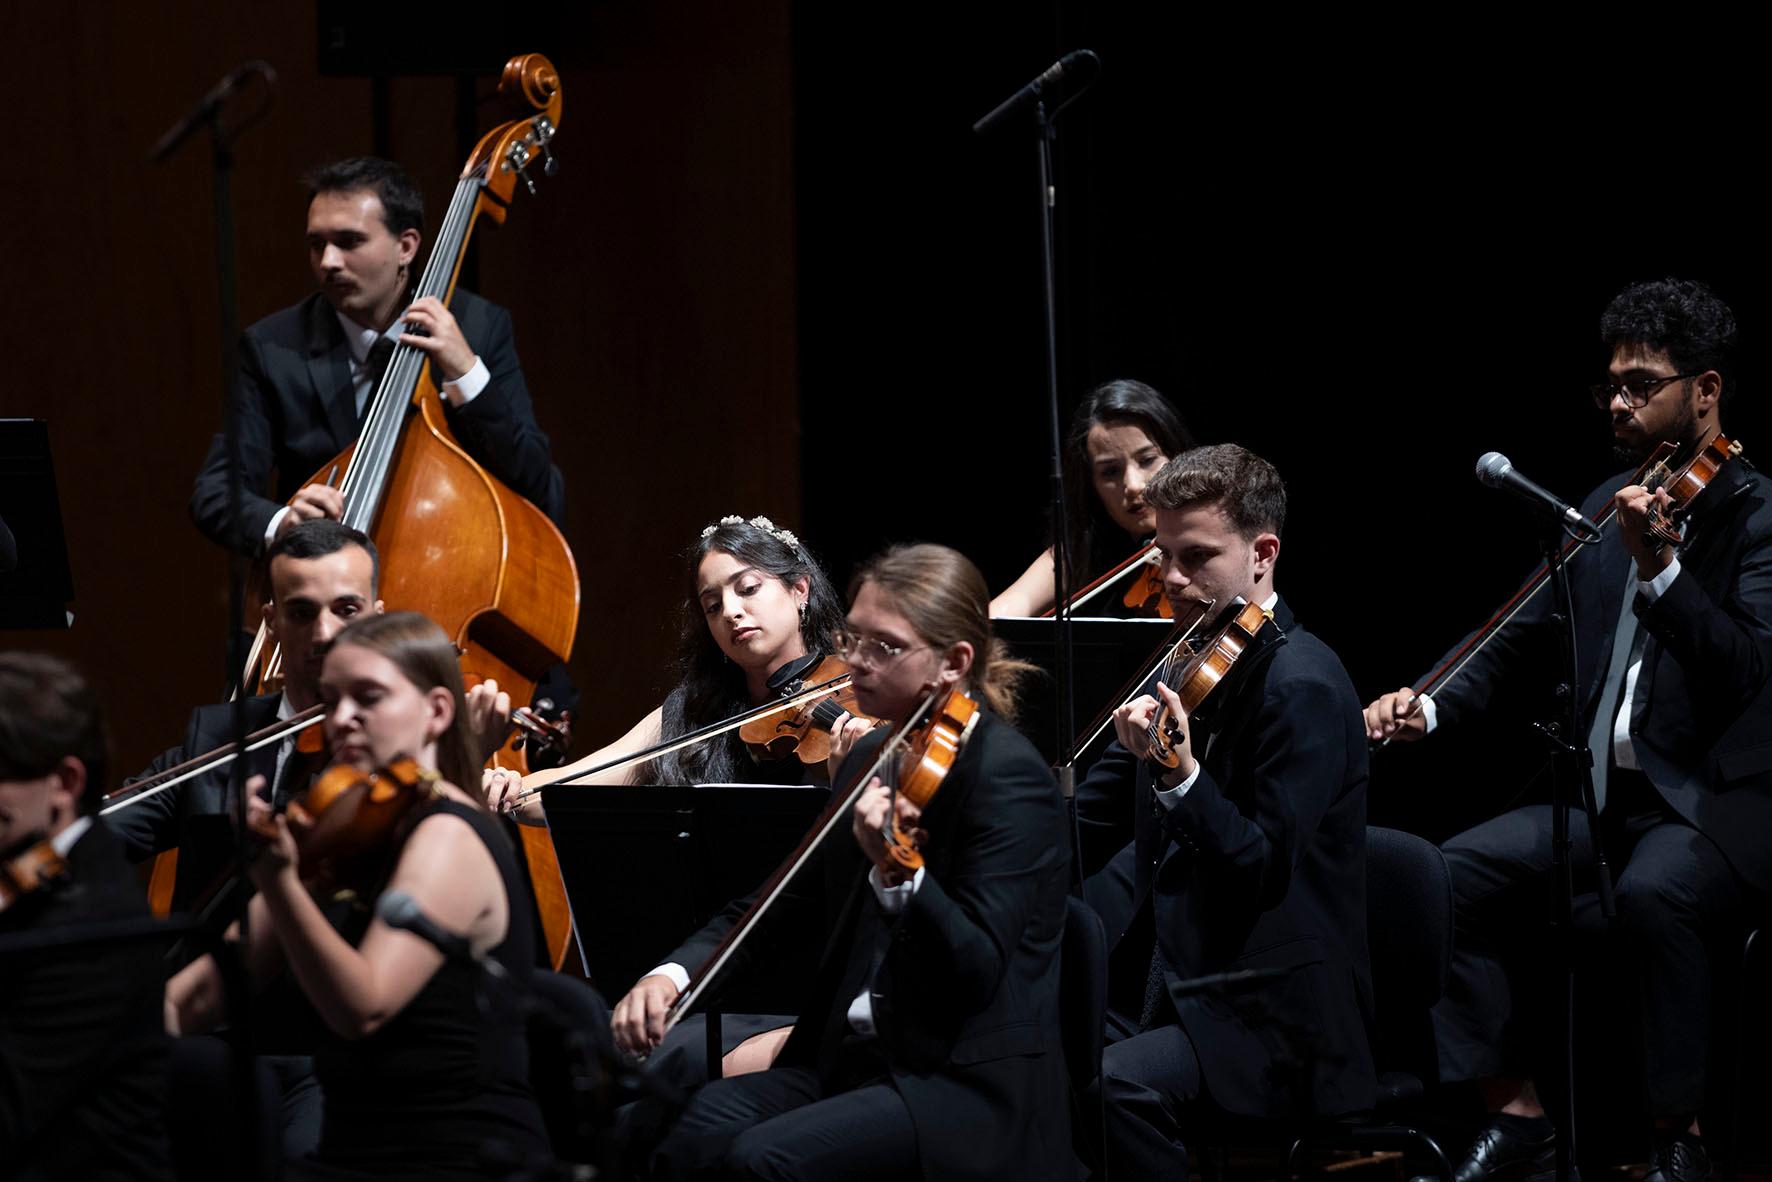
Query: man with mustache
1675, 645
307, 372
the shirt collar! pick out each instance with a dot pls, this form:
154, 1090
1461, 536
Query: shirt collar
64, 841
359, 339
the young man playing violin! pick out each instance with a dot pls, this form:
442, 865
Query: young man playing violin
1248, 854
82, 1052
307, 372
1675, 646
928, 1045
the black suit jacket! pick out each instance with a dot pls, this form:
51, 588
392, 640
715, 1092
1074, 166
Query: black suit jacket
965, 1000
1261, 865
1701, 713
82, 1039
192, 816
298, 410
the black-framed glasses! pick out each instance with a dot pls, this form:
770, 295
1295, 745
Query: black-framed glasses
870, 650
1636, 392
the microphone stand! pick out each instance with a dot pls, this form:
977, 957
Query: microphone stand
208, 112
1045, 132
1571, 781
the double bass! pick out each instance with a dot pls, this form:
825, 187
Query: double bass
456, 544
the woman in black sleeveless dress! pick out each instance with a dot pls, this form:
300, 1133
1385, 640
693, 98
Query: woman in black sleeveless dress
423, 1063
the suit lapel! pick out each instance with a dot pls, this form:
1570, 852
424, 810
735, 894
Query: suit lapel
329, 370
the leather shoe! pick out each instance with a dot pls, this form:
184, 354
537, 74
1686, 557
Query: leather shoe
1500, 1155
1679, 1159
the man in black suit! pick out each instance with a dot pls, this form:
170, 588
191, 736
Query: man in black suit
1248, 854
928, 1045
1675, 646
82, 1046
322, 576
307, 372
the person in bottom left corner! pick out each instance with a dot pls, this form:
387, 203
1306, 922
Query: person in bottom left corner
82, 1049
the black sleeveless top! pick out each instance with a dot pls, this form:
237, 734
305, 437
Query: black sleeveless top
449, 1074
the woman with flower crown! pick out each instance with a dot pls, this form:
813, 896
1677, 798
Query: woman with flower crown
758, 610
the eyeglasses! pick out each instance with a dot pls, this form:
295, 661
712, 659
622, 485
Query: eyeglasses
1636, 392
870, 650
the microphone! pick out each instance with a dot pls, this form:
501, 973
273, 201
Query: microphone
1057, 70
400, 910
210, 104
1496, 471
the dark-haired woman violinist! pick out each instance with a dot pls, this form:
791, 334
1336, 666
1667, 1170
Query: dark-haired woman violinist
1119, 436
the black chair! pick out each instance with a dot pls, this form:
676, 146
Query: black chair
569, 1056
1082, 1021
1409, 930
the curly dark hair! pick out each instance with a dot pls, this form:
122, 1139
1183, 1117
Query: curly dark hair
1681, 317
711, 688
403, 206
1095, 542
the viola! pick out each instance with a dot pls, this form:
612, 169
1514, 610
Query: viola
30, 866
928, 756
804, 729
1204, 668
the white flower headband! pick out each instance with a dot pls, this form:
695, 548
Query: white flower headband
786, 537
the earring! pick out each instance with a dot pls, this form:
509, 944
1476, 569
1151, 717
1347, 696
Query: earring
803, 607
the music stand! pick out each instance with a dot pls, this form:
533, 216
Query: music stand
35, 593
646, 866
1106, 652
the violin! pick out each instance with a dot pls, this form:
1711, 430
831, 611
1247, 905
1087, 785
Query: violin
1683, 483
804, 729
934, 749
1202, 670
929, 752
1144, 592
30, 866
348, 814
579, 773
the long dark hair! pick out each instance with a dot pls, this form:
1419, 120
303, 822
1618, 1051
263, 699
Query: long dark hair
426, 658
711, 688
1095, 541
946, 600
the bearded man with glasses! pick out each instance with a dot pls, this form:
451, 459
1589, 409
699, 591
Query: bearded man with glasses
1675, 647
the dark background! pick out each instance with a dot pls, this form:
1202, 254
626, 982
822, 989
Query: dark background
778, 274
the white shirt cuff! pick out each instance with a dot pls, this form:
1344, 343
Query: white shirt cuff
894, 899
468, 386
276, 520
1655, 588
1171, 797
1430, 713
676, 974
